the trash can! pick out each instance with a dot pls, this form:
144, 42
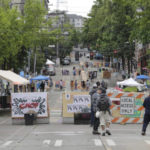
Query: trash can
29, 118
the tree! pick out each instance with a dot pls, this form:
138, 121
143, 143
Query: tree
107, 30
10, 37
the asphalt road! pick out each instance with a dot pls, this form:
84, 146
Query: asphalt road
56, 135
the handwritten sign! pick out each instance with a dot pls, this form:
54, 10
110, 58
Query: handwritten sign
24, 102
81, 103
82, 99
127, 105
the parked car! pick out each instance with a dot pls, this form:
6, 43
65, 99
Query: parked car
49, 70
68, 57
66, 61
98, 56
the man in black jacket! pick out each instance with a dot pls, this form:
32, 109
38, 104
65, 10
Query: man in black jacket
146, 105
95, 99
92, 92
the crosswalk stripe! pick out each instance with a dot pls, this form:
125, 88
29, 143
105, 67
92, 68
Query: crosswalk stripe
147, 141
58, 143
7, 143
97, 142
47, 142
111, 142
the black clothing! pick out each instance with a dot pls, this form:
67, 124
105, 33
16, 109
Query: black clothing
96, 123
146, 104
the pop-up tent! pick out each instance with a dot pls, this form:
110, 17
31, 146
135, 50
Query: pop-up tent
13, 78
129, 82
142, 77
49, 62
40, 77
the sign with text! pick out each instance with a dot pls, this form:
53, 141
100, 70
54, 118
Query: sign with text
26, 102
82, 99
127, 105
81, 103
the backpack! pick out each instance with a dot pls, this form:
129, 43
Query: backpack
103, 103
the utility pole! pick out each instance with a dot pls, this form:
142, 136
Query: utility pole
57, 44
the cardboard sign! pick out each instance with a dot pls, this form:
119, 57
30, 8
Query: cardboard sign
81, 103
127, 105
82, 99
26, 102
75, 108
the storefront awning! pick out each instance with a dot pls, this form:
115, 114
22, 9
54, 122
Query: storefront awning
13, 78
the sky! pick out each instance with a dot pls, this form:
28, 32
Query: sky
79, 7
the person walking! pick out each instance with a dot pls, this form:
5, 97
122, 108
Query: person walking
95, 100
93, 91
103, 106
146, 121
76, 85
87, 85
61, 84
42, 86
74, 71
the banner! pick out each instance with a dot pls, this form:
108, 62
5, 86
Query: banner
24, 102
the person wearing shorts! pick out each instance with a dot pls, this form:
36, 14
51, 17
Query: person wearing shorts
105, 114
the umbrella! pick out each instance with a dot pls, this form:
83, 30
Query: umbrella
142, 77
40, 77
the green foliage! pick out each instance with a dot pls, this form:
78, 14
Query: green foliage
107, 30
32, 32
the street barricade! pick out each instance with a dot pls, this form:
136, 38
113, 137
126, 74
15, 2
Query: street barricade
74, 104
34, 104
127, 107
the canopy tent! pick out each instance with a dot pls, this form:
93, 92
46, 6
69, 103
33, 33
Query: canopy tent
142, 77
129, 82
40, 77
13, 78
49, 62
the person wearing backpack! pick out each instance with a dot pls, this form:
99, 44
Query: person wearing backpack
103, 107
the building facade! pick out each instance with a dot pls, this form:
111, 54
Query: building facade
20, 4
76, 21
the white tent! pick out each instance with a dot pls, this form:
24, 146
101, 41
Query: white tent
129, 82
49, 62
13, 78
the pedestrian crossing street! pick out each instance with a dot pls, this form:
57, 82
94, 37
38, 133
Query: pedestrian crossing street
59, 143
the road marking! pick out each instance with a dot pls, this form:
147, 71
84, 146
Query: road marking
47, 142
97, 142
147, 141
58, 143
7, 143
60, 132
111, 142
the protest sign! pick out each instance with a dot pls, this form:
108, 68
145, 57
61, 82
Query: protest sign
127, 105
26, 102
